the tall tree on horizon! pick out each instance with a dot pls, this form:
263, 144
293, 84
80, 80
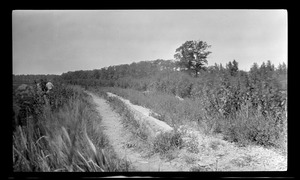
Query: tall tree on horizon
192, 55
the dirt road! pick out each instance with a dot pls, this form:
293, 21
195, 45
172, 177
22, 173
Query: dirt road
119, 139
201, 152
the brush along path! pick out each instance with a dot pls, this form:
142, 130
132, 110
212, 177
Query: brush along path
119, 138
200, 152
209, 153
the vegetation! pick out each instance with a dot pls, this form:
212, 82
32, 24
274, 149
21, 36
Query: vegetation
62, 133
192, 55
167, 141
248, 107
64, 136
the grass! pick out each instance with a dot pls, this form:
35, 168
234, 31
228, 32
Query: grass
68, 138
164, 142
168, 107
199, 168
190, 159
215, 145
248, 126
192, 146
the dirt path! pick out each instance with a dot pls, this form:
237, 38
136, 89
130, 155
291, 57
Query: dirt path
119, 139
201, 152
143, 115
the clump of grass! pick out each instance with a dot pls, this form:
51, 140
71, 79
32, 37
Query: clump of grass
243, 161
166, 141
192, 146
215, 145
200, 168
190, 159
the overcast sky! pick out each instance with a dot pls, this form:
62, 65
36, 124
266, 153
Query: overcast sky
54, 42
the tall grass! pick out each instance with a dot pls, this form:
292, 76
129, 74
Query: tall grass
67, 137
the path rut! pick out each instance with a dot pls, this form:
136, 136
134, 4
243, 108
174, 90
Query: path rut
119, 137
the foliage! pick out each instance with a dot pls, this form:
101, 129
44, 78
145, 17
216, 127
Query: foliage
218, 96
63, 137
192, 55
167, 141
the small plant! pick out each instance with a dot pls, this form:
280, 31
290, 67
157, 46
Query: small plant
215, 145
192, 146
167, 141
190, 159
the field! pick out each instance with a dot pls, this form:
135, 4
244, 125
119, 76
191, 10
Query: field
214, 116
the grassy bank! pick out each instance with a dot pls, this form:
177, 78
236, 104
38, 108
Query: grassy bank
64, 136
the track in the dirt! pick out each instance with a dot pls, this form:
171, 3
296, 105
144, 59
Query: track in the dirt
119, 137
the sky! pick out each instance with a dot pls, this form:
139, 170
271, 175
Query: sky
58, 41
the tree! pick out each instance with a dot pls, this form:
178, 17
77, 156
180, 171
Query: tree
270, 66
232, 68
235, 68
192, 55
282, 69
